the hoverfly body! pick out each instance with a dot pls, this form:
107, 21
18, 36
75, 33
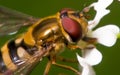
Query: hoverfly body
45, 37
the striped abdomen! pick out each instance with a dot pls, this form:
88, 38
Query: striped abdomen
13, 55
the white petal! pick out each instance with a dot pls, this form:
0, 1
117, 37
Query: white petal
106, 35
81, 60
86, 68
115, 29
101, 4
93, 56
99, 15
101, 11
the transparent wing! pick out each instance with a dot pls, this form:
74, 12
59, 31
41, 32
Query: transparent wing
11, 21
29, 65
24, 67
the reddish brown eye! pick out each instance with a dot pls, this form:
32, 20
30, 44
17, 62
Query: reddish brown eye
72, 27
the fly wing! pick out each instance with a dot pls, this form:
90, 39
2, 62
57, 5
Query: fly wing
28, 66
11, 21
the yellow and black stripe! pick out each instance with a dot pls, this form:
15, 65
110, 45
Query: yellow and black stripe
40, 35
13, 54
2, 64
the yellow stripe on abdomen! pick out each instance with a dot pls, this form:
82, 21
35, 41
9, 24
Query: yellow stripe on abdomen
6, 58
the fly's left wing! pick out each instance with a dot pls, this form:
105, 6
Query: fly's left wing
11, 21
26, 66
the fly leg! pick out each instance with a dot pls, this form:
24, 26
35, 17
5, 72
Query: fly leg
66, 67
47, 68
59, 58
90, 40
62, 74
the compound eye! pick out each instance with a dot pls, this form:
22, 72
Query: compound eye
73, 28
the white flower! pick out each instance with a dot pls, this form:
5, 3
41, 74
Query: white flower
106, 35
90, 58
101, 11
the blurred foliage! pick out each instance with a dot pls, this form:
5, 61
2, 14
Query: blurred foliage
41, 8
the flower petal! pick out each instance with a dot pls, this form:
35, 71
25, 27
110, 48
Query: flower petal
106, 35
92, 56
87, 69
101, 4
101, 11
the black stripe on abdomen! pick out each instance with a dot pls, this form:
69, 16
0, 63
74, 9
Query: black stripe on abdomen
13, 51
3, 67
13, 47
30, 50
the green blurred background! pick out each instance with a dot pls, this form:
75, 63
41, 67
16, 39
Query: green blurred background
110, 64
